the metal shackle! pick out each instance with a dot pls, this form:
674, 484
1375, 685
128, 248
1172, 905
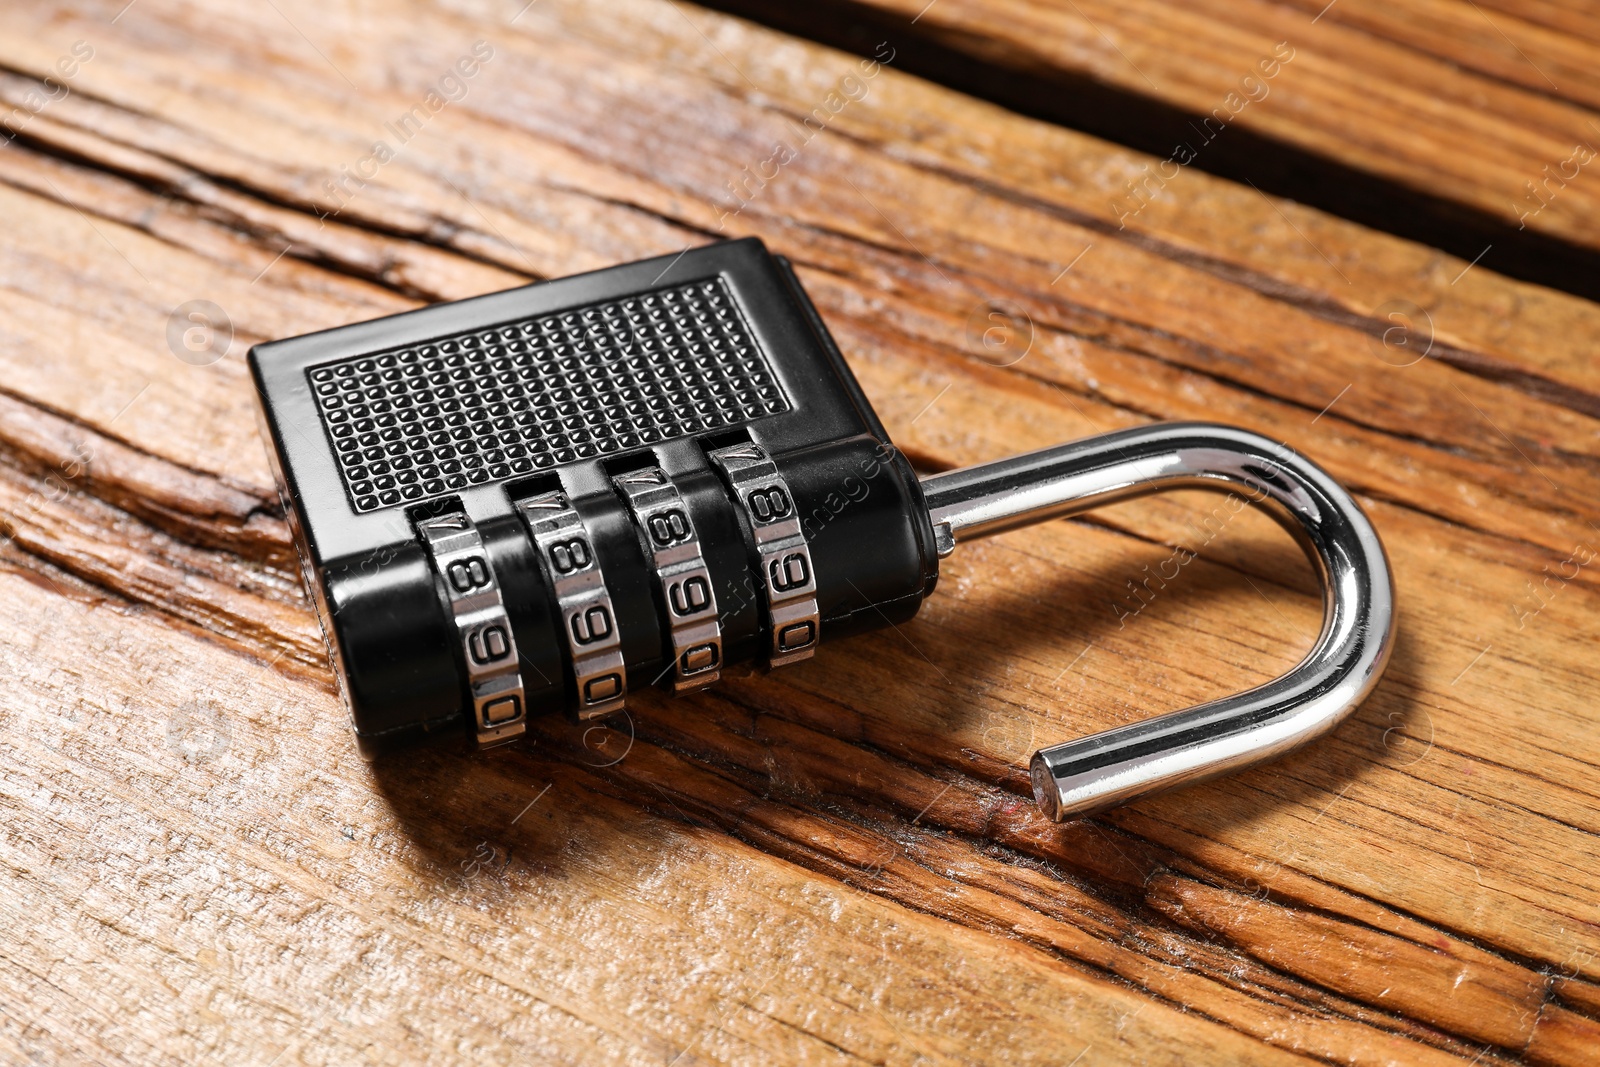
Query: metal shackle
1119, 765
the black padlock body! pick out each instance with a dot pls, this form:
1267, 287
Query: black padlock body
354, 417
853, 497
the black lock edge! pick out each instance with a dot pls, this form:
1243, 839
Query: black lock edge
914, 503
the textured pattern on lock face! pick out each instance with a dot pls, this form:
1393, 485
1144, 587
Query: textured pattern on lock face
484, 406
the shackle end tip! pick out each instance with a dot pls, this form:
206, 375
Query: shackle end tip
1045, 793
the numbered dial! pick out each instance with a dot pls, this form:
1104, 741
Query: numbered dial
787, 579
588, 619
499, 707
674, 552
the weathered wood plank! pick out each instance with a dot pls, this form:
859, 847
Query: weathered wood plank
237, 894
1445, 837
1486, 115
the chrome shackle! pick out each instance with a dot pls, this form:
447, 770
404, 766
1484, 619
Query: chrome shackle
1179, 748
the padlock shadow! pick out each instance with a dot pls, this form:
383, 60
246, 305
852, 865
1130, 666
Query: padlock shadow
1381, 742
941, 693
900, 693
1015, 642
960, 686
488, 819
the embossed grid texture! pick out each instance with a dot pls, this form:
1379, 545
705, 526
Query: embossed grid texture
493, 404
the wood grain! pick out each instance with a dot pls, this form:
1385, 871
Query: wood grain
838, 861
1471, 126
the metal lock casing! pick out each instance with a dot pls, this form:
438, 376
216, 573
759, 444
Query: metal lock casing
696, 395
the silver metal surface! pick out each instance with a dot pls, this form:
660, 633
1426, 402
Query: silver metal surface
787, 579
499, 706
588, 620
1116, 766
674, 554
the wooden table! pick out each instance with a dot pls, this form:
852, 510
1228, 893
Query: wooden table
839, 862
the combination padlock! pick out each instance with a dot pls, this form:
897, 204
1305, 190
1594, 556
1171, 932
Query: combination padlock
545, 498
